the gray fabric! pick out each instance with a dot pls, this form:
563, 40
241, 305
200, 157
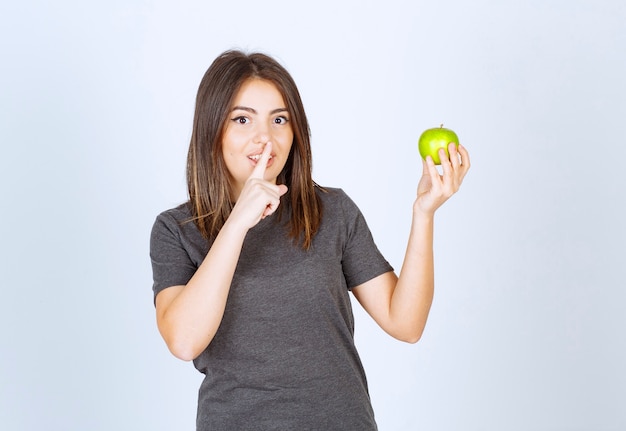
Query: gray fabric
284, 355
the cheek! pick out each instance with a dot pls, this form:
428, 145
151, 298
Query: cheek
230, 162
286, 139
229, 151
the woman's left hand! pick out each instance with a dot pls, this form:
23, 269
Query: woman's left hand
434, 188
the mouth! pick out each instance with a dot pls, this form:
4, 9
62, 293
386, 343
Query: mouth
256, 157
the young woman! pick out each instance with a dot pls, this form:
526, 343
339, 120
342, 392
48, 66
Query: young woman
252, 275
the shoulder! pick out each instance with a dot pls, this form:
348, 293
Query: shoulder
332, 195
174, 229
336, 200
173, 219
179, 213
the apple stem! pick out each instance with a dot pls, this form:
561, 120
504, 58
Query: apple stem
441, 126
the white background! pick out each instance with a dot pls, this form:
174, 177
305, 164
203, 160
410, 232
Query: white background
527, 328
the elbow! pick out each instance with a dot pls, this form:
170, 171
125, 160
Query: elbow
182, 345
410, 338
183, 349
408, 335
182, 353
182, 342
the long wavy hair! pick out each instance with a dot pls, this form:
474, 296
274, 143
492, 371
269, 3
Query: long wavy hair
208, 179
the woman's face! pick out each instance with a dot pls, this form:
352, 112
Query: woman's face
258, 115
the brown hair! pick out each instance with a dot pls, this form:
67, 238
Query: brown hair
208, 179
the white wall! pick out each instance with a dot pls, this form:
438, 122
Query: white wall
527, 328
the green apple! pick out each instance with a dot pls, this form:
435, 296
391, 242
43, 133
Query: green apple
433, 139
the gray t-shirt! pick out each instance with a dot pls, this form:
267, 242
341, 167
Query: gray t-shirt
283, 357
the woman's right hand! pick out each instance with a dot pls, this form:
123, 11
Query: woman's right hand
189, 316
259, 198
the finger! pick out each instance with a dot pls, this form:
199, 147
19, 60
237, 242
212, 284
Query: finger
454, 155
274, 192
282, 189
430, 169
261, 165
465, 160
446, 165
274, 201
424, 167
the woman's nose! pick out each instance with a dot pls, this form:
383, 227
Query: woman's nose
262, 134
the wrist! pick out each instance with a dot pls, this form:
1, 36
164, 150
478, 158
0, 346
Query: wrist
234, 229
421, 214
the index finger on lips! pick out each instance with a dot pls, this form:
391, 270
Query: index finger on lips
259, 169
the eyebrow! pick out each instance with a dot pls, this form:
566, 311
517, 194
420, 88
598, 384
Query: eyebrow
253, 111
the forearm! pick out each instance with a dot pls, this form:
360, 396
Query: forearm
401, 304
413, 294
190, 320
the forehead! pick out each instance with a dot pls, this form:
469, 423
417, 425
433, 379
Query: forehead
256, 91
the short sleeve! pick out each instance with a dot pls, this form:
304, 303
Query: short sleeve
171, 263
362, 260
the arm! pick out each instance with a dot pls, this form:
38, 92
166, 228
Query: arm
400, 305
188, 316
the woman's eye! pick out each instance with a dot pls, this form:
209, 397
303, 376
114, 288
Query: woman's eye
241, 120
281, 120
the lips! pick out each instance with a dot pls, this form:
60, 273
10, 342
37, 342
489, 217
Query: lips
256, 157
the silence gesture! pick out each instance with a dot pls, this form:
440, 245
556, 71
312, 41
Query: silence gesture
259, 197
